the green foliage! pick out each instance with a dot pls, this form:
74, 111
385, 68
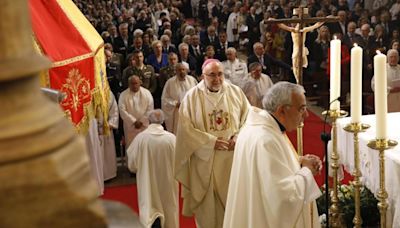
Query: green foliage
369, 209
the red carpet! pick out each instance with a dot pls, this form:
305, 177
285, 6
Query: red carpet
313, 127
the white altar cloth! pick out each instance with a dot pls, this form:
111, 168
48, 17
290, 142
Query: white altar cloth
369, 161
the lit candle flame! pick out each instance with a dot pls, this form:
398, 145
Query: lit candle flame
335, 37
378, 52
355, 45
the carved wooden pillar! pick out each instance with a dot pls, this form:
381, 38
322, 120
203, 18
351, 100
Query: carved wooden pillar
44, 171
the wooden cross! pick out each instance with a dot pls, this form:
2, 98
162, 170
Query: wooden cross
301, 20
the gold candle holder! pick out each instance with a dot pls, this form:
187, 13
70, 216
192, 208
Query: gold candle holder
381, 145
334, 212
300, 139
356, 128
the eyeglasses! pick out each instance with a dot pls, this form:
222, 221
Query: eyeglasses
213, 75
302, 109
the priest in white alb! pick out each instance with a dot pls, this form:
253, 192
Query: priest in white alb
134, 105
174, 91
151, 156
261, 82
210, 116
110, 160
270, 185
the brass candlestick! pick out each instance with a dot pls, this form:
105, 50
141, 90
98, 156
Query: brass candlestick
355, 128
300, 139
381, 145
334, 208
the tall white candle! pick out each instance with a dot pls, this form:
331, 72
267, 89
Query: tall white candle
380, 76
356, 76
335, 73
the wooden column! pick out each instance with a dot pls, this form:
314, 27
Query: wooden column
44, 169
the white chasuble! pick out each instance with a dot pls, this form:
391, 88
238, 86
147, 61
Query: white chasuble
110, 161
173, 93
151, 155
203, 171
268, 188
134, 107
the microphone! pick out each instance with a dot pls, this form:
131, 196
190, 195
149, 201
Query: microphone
324, 135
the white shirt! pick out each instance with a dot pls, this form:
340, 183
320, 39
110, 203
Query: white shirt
235, 71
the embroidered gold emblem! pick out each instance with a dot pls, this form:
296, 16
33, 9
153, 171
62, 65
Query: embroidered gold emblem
219, 120
76, 89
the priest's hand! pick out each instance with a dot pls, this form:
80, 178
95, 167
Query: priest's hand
312, 162
221, 144
138, 124
232, 142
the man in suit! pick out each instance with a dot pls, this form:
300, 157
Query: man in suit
253, 22
222, 46
139, 46
210, 37
267, 61
341, 25
350, 38
123, 41
196, 49
187, 58
166, 45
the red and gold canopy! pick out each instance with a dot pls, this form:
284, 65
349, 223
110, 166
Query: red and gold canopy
62, 33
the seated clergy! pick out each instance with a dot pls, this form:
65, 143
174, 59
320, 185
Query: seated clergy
134, 105
151, 156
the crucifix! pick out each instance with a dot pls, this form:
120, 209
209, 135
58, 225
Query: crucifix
300, 56
299, 60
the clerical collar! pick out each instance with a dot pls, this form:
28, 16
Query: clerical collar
281, 127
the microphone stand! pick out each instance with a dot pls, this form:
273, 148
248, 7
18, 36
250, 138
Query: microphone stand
325, 137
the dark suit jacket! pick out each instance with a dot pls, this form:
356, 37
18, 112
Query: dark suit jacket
171, 48
206, 40
349, 42
220, 51
268, 62
254, 27
336, 28
194, 71
199, 58
120, 47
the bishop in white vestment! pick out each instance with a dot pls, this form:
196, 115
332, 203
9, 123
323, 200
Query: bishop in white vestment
270, 186
173, 93
110, 161
211, 115
134, 105
151, 155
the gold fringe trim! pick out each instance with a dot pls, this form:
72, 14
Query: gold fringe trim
72, 60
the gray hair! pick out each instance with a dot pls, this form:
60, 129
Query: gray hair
280, 94
230, 49
393, 52
156, 116
254, 65
181, 45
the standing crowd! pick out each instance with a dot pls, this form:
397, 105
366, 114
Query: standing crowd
175, 63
